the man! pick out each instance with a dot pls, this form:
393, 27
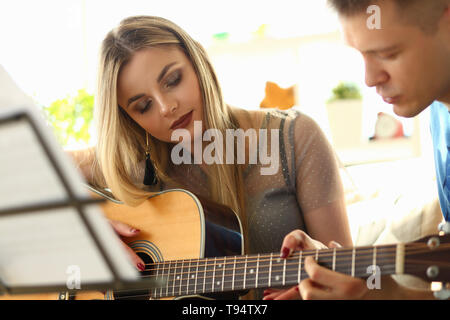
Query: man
407, 59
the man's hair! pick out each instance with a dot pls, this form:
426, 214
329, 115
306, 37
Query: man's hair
423, 13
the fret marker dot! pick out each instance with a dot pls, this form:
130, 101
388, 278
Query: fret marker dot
277, 278
220, 265
178, 277
278, 260
218, 283
251, 271
192, 276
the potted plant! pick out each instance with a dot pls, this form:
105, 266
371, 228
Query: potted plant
344, 110
71, 118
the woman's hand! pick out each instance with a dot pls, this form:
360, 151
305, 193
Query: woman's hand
322, 283
125, 230
298, 240
294, 241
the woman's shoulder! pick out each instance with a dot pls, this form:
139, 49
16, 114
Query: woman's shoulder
265, 118
297, 126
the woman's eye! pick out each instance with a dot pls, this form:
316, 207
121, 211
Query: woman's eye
173, 80
145, 106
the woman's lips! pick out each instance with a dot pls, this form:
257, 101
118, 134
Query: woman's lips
182, 122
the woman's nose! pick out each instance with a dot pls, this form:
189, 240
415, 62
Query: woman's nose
167, 107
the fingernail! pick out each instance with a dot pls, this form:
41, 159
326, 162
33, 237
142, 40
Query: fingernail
335, 244
135, 230
141, 266
285, 252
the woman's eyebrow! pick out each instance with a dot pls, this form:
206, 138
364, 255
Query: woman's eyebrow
161, 75
164, 71
136, 97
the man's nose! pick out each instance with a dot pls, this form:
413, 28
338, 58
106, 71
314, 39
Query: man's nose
375, 75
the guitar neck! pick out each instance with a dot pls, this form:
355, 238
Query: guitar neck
236, 273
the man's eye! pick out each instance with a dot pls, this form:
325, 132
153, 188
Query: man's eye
389, 56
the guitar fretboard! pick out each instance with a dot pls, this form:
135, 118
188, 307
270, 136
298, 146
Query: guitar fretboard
235, 273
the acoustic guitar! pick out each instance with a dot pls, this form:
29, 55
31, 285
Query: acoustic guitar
196, 247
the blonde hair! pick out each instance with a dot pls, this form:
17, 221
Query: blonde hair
121, 141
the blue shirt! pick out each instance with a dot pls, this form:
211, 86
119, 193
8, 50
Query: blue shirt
440, 131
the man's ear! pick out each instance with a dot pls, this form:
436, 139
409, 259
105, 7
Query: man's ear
446, 22
443, 31
446, 15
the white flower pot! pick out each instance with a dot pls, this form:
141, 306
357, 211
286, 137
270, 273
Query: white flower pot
345, 119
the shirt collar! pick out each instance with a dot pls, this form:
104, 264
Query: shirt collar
447, 105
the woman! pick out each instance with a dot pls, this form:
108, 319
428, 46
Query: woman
154, 79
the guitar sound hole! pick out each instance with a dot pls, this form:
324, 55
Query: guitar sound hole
137, 294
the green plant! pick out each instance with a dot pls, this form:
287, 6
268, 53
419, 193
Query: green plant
71, 117
346, 90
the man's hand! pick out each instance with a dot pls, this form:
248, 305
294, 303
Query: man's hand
322, 282
325, 284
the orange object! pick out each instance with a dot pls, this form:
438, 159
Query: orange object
277, 97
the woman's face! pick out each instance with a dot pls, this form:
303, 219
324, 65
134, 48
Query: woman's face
159, 89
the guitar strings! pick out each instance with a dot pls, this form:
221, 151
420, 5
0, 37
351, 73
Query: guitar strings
185, 288
264, 258
208, 287
170, 291
263, 275
289, 262
441, 264
286, 269
280, 268
338, 265
203, 275
268, 257
287, 266
288, 272
251, 258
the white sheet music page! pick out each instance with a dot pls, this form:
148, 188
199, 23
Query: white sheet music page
48, 247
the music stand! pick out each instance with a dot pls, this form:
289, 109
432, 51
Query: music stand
54, 224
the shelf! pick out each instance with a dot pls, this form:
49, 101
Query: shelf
380, 150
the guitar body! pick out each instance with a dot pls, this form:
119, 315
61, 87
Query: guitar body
177, 225
174, 225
